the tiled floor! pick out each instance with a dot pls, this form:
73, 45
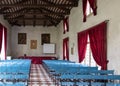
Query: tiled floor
39, 77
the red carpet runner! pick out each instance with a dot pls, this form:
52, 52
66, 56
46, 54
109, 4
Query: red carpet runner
39, 77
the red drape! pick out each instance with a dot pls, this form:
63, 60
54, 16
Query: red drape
1, 33
63, 50
98, 44
82, 44
84, 9
66, 49
5, 40
93, 6
66, 25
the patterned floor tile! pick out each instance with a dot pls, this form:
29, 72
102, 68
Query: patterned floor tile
39, 77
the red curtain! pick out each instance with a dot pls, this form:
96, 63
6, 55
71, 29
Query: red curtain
66, 25
5, 40
82, 44
93, 6
98, 44
84, 9
1, 33
66, 48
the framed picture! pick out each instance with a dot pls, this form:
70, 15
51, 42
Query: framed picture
33, 44
45, 38
22, 38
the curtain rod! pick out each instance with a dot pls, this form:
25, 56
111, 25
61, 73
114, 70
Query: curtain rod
106, 21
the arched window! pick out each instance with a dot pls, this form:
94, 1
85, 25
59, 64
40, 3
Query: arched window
65, 25
66, 49
2, 53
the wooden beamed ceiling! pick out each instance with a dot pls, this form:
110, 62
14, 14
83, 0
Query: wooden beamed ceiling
36, 12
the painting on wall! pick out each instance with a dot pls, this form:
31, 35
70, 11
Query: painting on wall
22, 38
33, 44
45, 38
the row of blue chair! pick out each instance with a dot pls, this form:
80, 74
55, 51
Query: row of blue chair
90, 80
66, 73
15, 66
14, 72
13, 84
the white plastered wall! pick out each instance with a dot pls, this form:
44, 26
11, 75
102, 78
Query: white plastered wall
107, 10
6, 24
33, 33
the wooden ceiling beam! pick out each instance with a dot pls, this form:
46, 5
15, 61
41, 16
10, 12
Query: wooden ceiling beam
15, 17
11, 15
3, 9
53, 22
73, 1
1, 1
35, 1
44, 23
51, 11
38, 5
23, 21
45, 12
32, 18
16, 13
15, 24
24, 13
19, 2
51, 3
20, 24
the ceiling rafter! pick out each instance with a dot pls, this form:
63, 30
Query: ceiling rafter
29, 18
14, 23
51, 20
73, 1
34, 20
23, 21
3, 8
23, 10
16, 17
23, 13
50, 11
1, 1
48, 2
36, 12
7, 8
38, 6
26, 12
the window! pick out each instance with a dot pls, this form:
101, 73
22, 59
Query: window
89, 60
2, 53
65, 49
89, 9
89, 6
65, 25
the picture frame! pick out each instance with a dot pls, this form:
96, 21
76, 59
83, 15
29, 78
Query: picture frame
33, 44
45, 38
22, 38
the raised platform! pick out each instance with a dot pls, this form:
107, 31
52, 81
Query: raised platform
37, 59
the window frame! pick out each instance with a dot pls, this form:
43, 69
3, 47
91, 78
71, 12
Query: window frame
89, 59
66, 25
2, 52
89, 10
